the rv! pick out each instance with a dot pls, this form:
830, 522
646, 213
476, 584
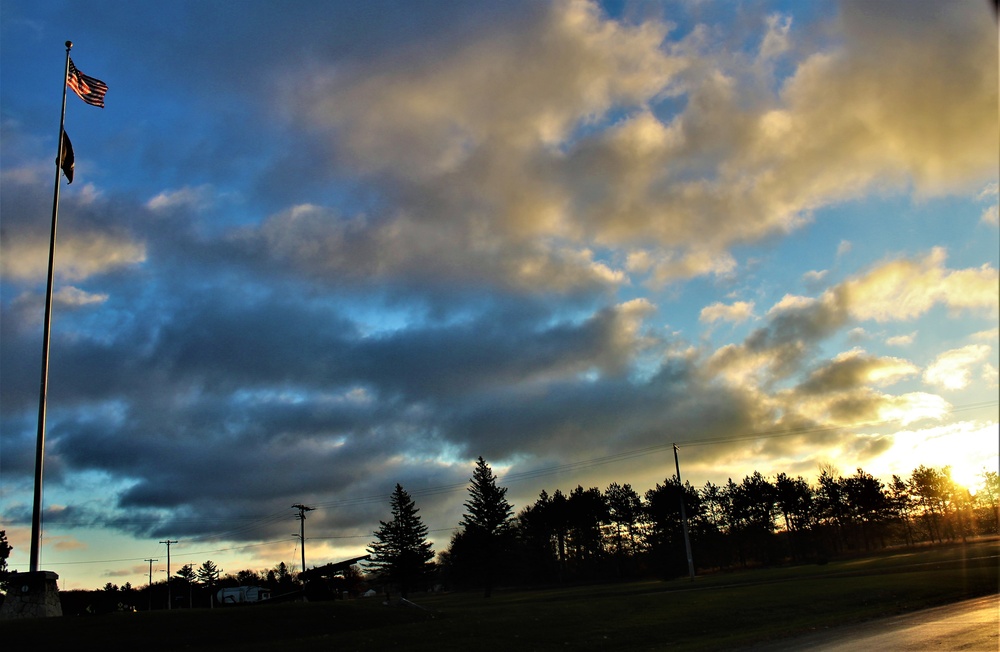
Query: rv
241, 594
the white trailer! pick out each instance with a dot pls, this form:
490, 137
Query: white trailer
241, 594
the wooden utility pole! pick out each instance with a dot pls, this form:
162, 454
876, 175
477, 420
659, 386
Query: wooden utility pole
169, 599
684, 520
149, 589
302, 528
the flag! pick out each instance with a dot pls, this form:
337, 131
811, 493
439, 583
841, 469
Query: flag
68, 160
89, 89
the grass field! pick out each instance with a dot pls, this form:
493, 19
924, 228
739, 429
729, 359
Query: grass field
720, 611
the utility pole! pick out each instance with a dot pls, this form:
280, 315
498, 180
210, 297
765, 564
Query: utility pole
302, 528
149, 589
684, 520
169, 599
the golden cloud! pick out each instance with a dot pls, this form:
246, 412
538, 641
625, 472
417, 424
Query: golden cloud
904, 289
81, 255
953, 369
736, 312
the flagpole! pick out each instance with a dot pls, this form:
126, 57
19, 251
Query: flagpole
36, 510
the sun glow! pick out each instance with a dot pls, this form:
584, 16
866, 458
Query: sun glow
966, 447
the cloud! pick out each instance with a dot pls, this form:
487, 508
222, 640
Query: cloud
897, 290
775, 41
991, 214
187, 198
951, 370
737, 312
906, 288
321, 244
991, 376
65, 543
814, 278
81, 255
432, 115
902, 340
489, 147
991, 335
71, 296
853, 369
90, 242
894, 58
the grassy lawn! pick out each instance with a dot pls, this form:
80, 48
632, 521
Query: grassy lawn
723, 610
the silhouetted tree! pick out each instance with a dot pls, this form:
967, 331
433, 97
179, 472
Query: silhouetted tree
832, 509
280, 579
187, 574
869, 505
625, 513
558, 518
989, 500
401, 552
538, 539
902, 506
208, 574
484, 541
587, 511
5, 550
713, 541
794, 499
752, 517
927, 487
666, 535
248, 577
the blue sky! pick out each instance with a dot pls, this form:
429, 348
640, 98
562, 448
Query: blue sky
316, 249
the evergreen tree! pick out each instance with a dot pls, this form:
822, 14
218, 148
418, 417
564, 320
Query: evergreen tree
209, 574
188, 574
625, 514
280, 579
487, 527
5, 550
665, 536
401, 552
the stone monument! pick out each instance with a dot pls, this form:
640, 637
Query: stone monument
31, 595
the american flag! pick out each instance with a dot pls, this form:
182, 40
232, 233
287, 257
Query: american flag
90, 89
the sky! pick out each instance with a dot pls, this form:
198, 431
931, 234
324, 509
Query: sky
313, 250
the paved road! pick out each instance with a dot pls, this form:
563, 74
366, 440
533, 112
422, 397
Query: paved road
968, 625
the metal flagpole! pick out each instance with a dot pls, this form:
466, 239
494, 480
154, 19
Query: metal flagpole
36, 510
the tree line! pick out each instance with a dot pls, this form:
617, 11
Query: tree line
592, 534
616, 533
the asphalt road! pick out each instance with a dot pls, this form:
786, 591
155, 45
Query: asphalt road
969, 625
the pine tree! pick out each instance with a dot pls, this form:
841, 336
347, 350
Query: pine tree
488, 511
401, 552
209, 574
487, 526
5, 550
188, 574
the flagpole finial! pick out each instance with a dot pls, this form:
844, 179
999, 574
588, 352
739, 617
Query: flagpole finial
69, 45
